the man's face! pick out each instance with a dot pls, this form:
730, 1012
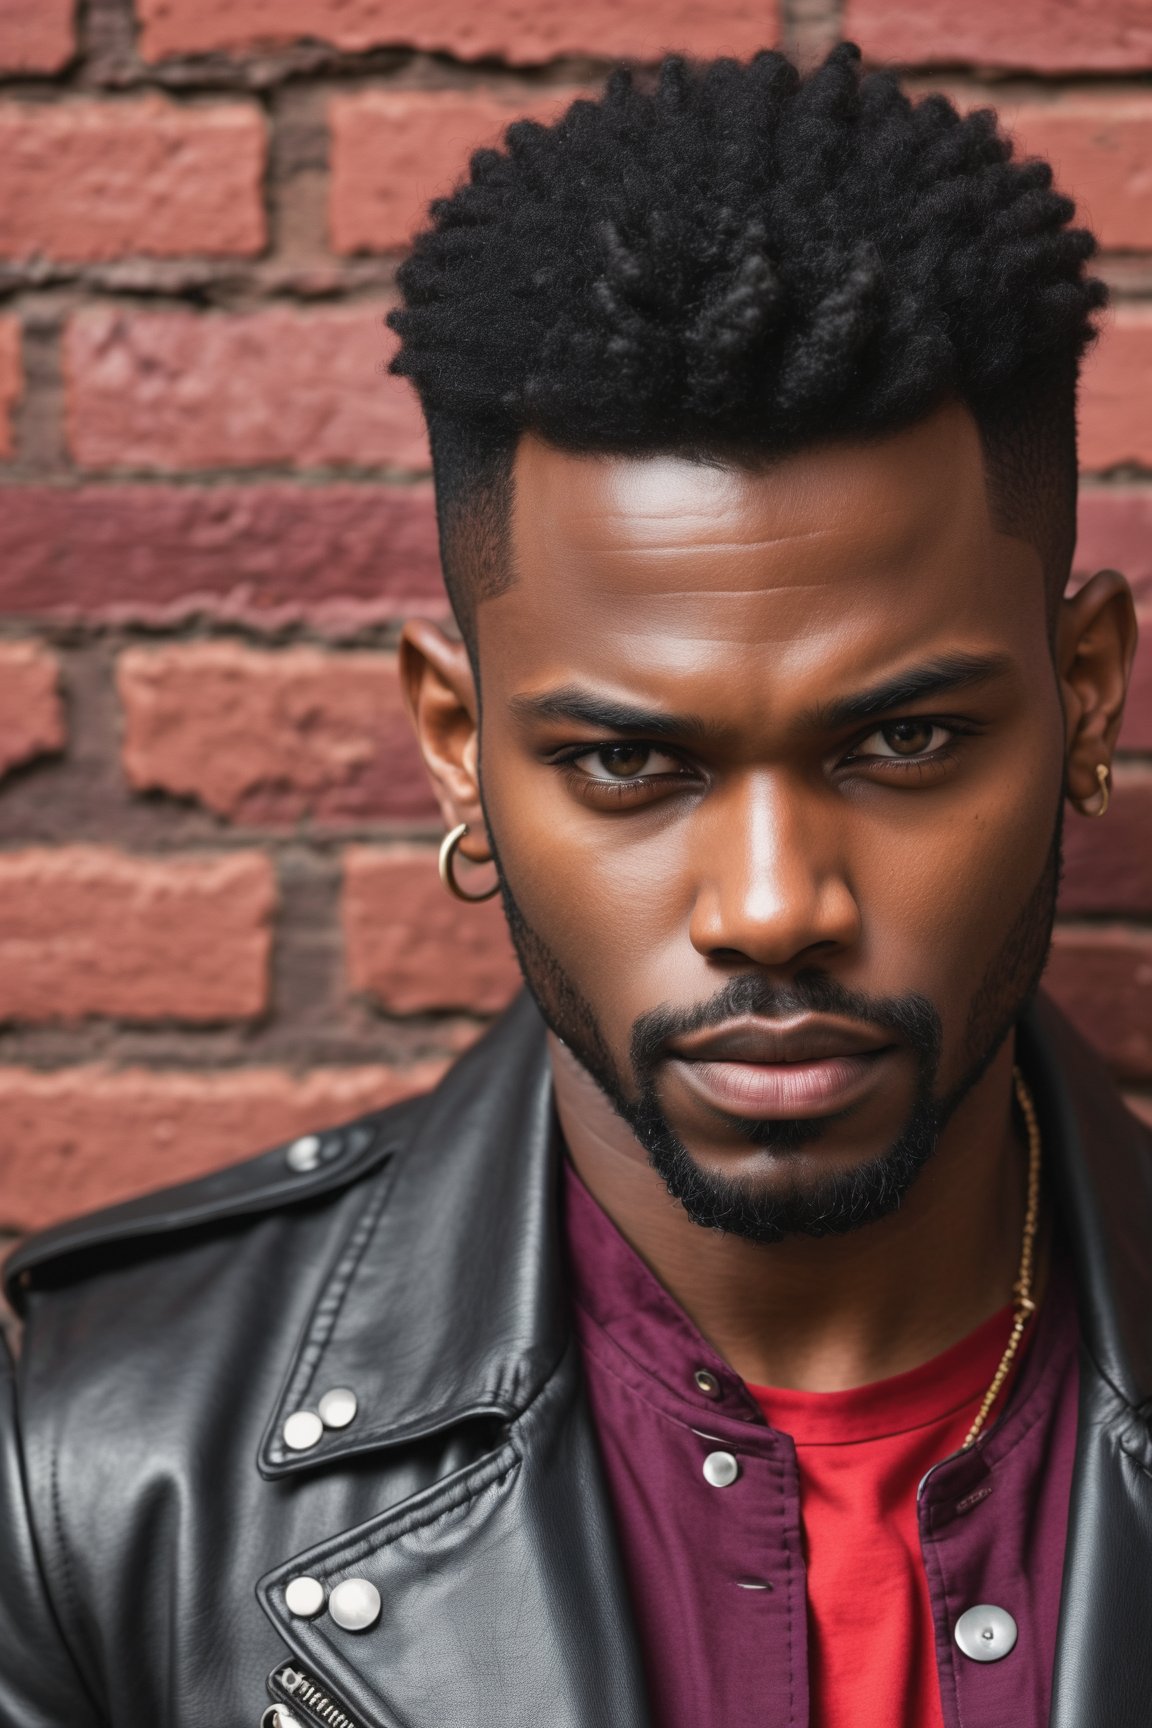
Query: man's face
772, 761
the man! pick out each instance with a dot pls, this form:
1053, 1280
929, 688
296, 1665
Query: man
754, 1328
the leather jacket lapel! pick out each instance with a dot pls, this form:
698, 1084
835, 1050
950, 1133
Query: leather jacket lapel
502, 1600
446, 1302
1102, 1174
502, 1603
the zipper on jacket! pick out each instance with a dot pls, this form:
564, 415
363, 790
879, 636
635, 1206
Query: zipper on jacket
297, 1699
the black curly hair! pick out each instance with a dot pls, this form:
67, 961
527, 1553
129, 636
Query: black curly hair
733, 260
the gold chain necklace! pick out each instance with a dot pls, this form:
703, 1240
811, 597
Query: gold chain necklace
1024, 1306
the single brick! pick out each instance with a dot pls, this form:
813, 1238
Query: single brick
92, 180
1115, 426
1102, 978
11, 379
1116, 534
394, 151
285, 386
1032, 35
76, 1138
411, 947
36, 35
272, 737
500, 29
31, 716
338, 557
85, 930
1108, 864
1136, 732
1100, 148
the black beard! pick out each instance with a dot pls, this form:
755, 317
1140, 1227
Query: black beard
841, 1200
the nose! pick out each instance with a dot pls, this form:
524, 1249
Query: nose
773, 887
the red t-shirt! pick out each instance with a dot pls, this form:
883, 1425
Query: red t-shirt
861, 1455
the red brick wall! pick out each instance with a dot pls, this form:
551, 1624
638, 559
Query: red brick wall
219, 918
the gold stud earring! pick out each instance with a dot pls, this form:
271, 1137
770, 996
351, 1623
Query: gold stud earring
447, 865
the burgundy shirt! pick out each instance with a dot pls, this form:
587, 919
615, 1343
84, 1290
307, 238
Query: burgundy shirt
721, 1651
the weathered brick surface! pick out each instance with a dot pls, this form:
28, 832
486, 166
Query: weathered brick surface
1032, 35
1100, 147
36, 35
411, 947
1102, 978
1136, 733
502, 29
1108, 863
339, 557
31, 714
11, 379
393, 151
91, 1135
90, 179
1116, 534
272, 737
283, 387
1115, 425
86, 930
214, 509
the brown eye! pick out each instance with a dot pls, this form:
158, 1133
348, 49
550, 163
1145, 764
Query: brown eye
908, 737
624, 760
627, 761
903, 738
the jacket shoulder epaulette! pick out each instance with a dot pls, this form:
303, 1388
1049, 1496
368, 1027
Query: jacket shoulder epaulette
295, 1171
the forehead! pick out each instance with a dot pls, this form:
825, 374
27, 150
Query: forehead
838, 560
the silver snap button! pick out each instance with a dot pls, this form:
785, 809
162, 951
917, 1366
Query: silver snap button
986, 1633
338, 1407
355, 1604
303, 1154
277, 1717
721, 1469
302, 1430
706, 1383
304, 1597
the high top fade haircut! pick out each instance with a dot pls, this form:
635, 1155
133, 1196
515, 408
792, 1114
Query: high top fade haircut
730, 261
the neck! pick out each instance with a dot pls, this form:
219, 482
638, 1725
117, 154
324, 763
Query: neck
822, 1314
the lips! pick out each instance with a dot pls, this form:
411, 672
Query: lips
758, 1068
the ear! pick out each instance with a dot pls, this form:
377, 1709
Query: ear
1095, 645
440, 690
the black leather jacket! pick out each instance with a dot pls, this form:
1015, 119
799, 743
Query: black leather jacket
151, 1515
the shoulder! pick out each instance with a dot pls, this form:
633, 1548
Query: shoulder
295, 1174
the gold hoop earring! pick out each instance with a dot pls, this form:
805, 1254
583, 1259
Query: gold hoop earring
1104, 785
447, 865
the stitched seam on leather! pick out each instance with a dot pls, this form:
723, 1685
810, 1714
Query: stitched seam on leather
462, 1495
68, 1576
332, 1301
69, 1581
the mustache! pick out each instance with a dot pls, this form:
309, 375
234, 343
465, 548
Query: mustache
912, 1019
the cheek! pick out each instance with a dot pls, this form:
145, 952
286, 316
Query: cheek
940, 912
613, 909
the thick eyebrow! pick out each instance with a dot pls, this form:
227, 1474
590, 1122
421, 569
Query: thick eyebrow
611, 715
935, 678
